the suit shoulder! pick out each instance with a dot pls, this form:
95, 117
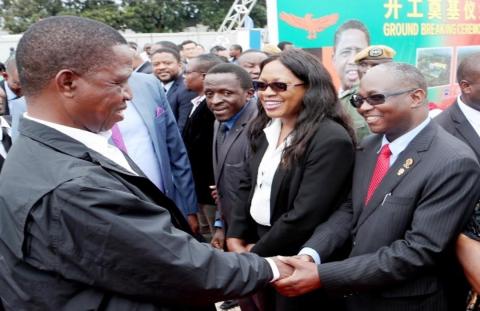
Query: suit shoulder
450, 147
445, 118
331, 129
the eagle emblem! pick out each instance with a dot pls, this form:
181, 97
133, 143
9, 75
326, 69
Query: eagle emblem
308, 23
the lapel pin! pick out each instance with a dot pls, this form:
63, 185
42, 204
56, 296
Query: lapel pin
400, 171
408, 163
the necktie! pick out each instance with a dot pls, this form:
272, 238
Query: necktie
381, 168
6, 140
222, 133
118, 139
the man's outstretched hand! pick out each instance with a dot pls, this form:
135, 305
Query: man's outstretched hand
305, 277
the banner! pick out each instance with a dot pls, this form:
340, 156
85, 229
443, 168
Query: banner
434, 35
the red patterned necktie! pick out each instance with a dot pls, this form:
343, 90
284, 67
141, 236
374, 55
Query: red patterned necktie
381, 168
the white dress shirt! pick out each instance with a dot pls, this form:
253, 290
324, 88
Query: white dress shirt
167, 86
139, 144
260, 206
472, 115
97, 142
196, 102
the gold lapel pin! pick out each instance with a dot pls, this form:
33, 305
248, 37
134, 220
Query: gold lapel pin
408, 163
400, 171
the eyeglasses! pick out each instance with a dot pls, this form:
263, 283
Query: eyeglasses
375, 99
275, 86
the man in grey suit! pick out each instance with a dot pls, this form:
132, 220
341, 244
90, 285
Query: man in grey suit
150, 136
229, 92
82, 228
229, 95
414, 188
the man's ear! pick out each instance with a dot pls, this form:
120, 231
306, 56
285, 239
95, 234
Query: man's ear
66, 82
418, 98
465, 87
5, 75
250, 93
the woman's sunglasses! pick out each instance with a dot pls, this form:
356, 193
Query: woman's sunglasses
275, 86
374, 99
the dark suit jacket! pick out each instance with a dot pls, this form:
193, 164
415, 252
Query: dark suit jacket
302, 196
79, 232
453, 121
180, 100
198, 138
403, 240
230, 158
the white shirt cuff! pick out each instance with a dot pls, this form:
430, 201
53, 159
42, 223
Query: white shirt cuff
273, 266
312, 253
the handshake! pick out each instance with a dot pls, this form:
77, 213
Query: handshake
298, 275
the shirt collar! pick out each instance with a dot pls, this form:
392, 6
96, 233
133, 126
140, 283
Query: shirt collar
272, 133
230, 123
197, 100
95, 141
168, 85
399, 144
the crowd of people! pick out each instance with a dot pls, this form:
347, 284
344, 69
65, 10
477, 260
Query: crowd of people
172, 178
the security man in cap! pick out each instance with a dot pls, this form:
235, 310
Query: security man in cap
365, 59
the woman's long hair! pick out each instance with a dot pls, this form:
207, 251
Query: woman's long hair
320, 101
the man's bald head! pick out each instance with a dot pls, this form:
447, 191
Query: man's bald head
468, 77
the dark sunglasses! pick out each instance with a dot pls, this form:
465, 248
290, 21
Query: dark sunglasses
374, 99
275, 86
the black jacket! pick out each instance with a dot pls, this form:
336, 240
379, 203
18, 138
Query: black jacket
79, 232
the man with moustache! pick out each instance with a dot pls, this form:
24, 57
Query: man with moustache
82, 227
167, 67
414, 188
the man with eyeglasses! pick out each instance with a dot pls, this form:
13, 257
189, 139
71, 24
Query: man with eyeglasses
414, 188
367, 58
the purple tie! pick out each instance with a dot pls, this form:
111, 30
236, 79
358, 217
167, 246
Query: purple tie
117, 138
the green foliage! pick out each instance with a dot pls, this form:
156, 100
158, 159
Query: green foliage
137, 15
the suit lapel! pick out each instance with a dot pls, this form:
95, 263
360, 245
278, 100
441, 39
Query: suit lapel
172, 89
215, 151
465, 129
366, 161
405, 163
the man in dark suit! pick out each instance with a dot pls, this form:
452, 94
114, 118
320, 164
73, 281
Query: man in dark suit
462, 120
198, 134
82, 228
229, 93
167, 67
414, 188
11, 84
